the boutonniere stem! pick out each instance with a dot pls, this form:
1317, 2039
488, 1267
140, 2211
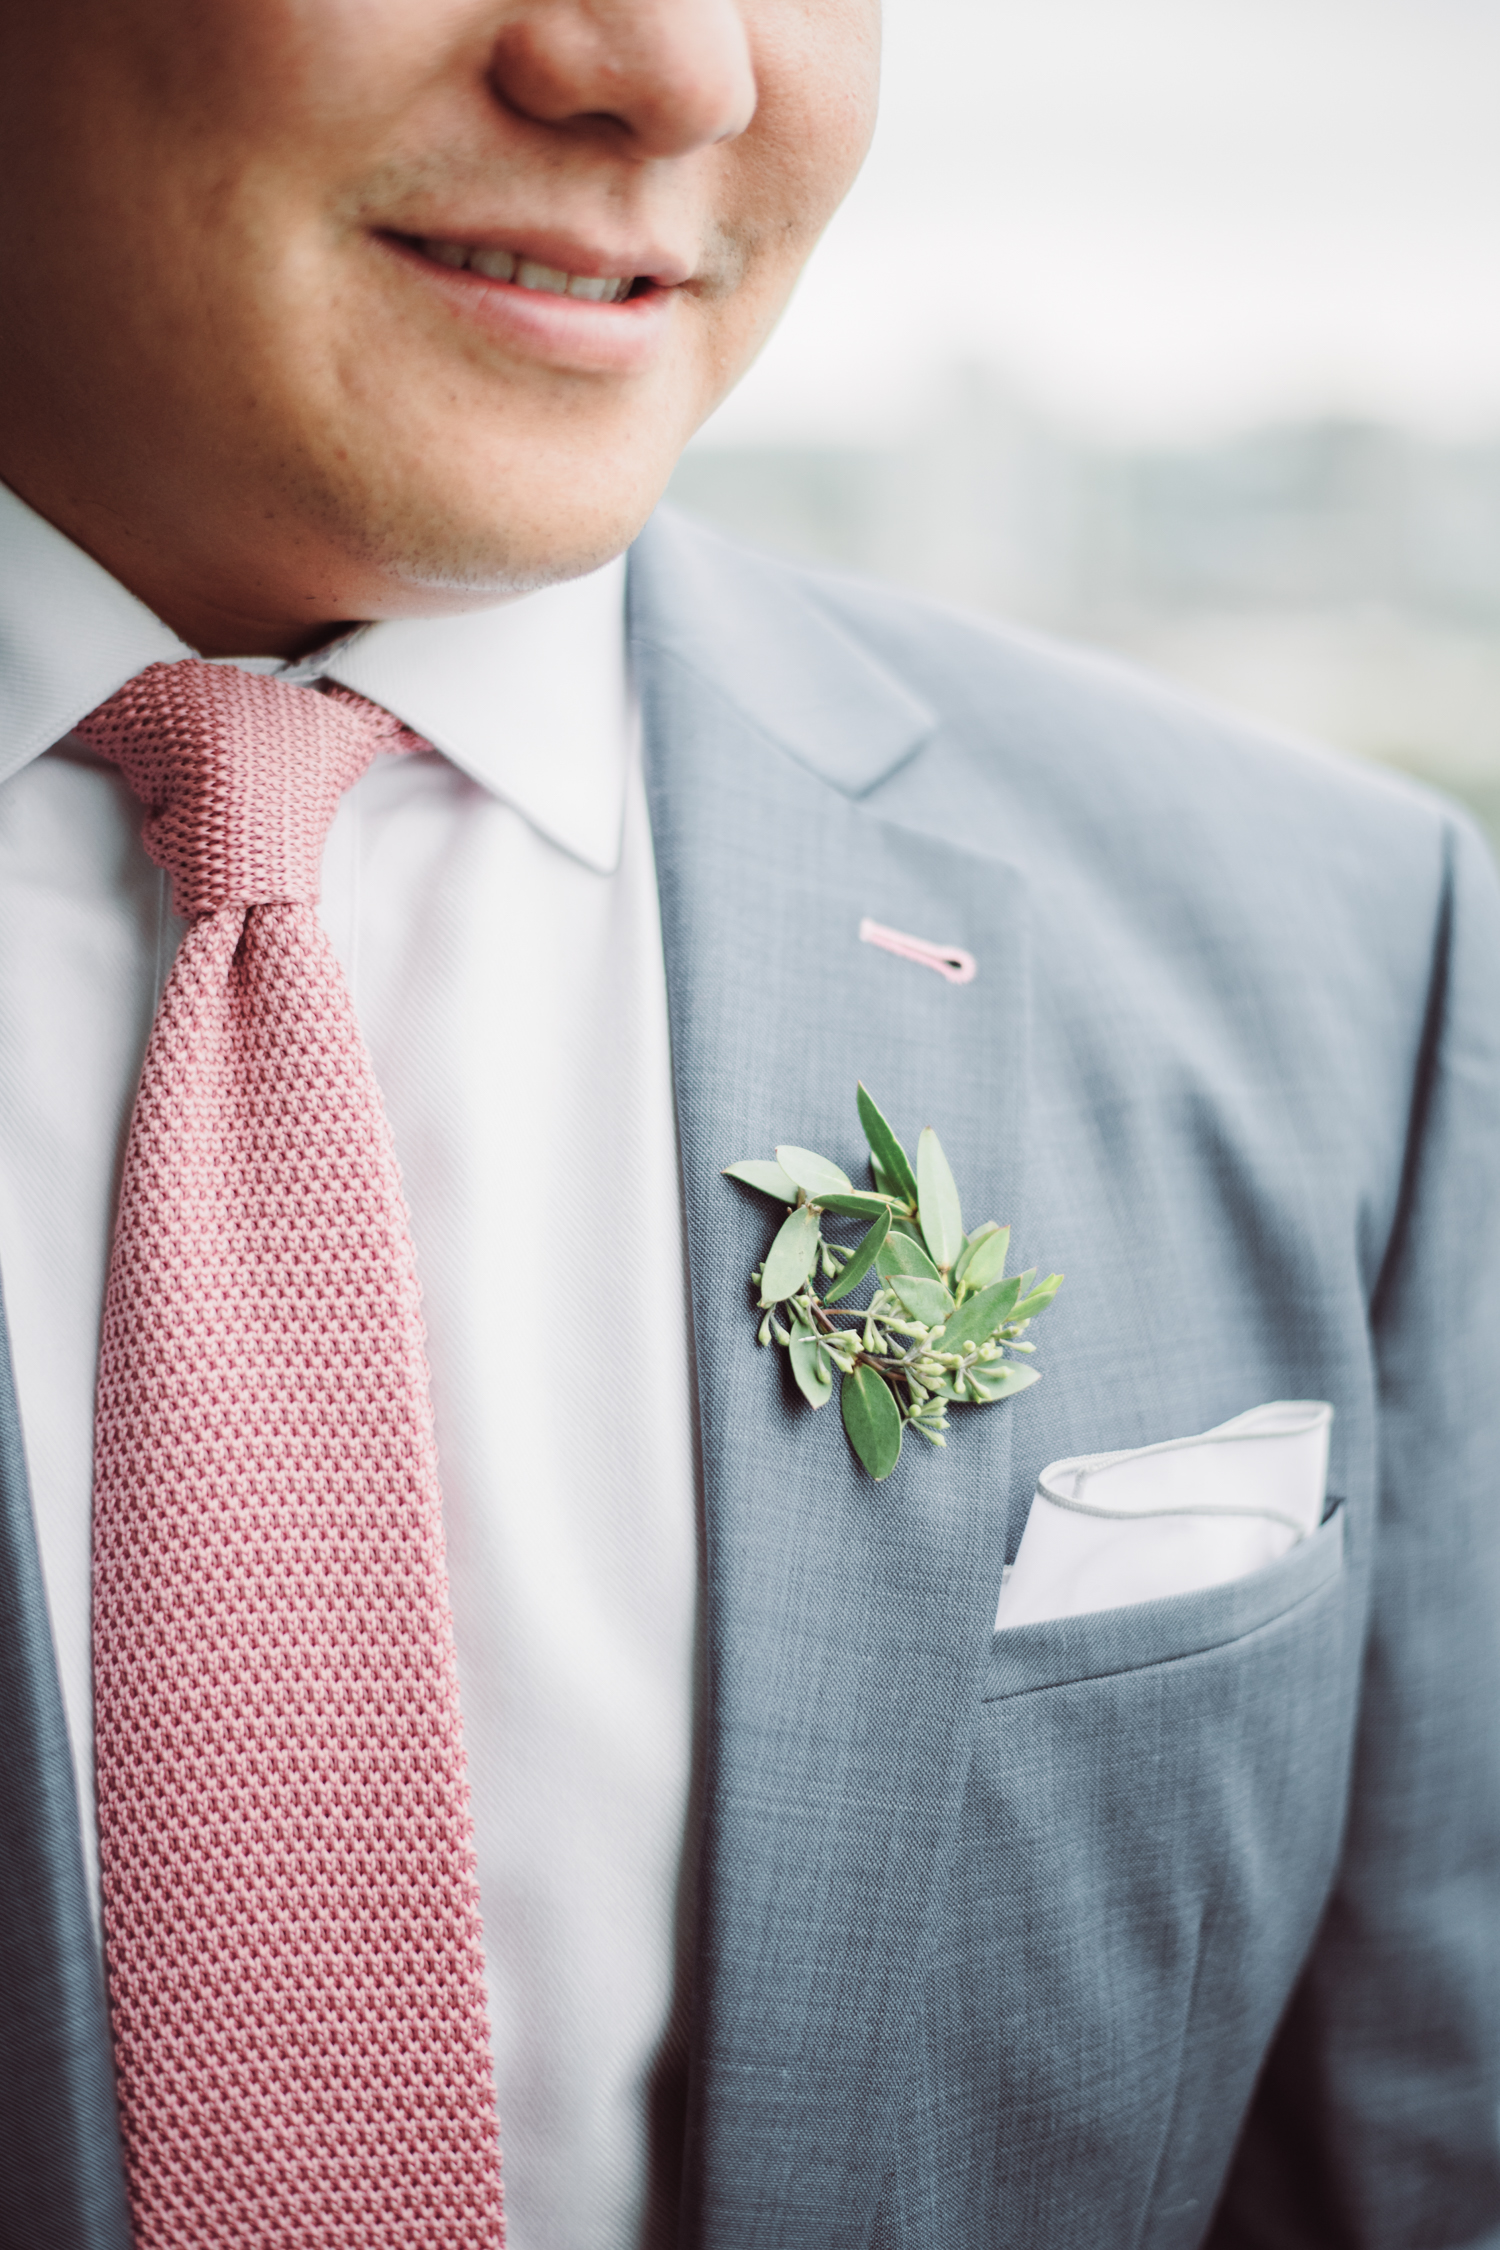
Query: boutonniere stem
944, 1326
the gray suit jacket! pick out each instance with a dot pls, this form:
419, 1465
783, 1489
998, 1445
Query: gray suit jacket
1165, 1927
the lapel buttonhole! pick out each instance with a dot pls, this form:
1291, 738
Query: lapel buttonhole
950, 961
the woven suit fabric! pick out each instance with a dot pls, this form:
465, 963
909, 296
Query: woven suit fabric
290, 1892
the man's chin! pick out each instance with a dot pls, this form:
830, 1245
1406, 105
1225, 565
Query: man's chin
447, 561
439, 577
436, 589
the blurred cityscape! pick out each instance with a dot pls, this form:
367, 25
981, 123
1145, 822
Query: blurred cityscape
1338, 579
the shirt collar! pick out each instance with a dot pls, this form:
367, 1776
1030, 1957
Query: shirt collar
530, 699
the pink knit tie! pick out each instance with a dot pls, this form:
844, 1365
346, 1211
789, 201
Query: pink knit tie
291, 1904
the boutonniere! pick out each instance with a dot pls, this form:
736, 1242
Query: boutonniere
944, 1326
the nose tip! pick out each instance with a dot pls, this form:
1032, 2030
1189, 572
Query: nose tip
675, 74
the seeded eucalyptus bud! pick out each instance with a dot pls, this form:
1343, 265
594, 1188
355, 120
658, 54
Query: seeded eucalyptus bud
782, 1335
765, 1331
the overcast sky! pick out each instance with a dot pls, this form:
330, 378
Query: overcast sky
1162, 218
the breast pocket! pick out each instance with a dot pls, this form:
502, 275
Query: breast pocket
1149, 1836
1103, 1643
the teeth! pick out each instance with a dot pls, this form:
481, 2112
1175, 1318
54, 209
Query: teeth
502, 265
549, 278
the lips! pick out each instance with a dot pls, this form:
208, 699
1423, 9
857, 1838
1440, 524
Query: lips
556, 316
495, 264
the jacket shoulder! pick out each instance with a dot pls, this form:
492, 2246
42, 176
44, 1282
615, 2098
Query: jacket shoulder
1059, 738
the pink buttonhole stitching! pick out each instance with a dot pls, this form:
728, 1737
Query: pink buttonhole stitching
950, 961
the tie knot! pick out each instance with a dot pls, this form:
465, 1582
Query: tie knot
240, 775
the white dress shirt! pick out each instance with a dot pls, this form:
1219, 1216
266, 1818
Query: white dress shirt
494, 907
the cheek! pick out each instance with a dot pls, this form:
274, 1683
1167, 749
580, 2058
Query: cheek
818, 75
817, 65
773, 191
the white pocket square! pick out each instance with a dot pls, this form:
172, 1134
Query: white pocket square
1108, 1529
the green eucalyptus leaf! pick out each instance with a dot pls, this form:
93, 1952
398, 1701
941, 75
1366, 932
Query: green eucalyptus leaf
983, 1263
872, 1421
792, 1256
1039, 1299
856, 1206
903, 1253
761, 1173
978, 1317
971, 1244
915, 1243
886, 1151
861, 1262
813, 1174
1002, 1379
937, 1198
927, 1301
810, 1365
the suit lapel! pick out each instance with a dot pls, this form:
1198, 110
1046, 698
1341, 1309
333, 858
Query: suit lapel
846, 1623
59, 2137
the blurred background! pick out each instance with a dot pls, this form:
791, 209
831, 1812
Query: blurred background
1171, 326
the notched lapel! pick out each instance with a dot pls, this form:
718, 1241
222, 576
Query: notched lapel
774, 653
62, 2186
847, 1622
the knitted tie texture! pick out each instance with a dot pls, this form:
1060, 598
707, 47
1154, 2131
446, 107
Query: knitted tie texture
290, 1894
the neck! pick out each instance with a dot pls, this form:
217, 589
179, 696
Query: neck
213, 616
